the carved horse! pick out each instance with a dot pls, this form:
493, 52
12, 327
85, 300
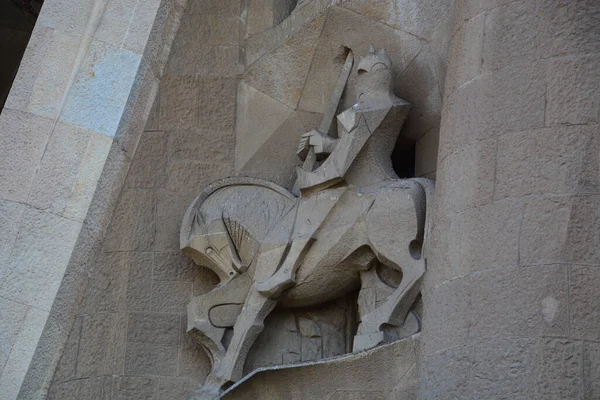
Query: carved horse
241, 228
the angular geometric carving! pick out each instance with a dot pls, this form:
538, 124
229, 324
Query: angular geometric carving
270, 247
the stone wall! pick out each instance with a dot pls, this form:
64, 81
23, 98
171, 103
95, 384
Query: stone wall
511, 293
129, 339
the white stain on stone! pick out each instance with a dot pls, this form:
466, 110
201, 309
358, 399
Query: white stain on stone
549, 308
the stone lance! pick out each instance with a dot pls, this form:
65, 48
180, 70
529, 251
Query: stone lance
308, 153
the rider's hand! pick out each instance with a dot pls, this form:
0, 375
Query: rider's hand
322, 144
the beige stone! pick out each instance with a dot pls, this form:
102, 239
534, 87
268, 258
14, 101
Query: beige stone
148, 168
153, 328
132, 227
583, 302
23, 139
216, 104
258, 117
179, 102
150, 359
134, 388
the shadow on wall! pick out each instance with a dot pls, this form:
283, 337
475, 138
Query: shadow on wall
17, 19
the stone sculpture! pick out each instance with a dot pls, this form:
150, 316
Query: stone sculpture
270, 247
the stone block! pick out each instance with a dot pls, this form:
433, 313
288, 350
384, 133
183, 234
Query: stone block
485, 237
21, 353
560, 229
97, 332
282, 73
57, 173
276, 159
568, 28
127, 387
420, 18
22, 142
446, 374
154, 328
467, 9
466, 49
152, 121
169, 213
507, 100
61, 14
10, 218
144, 359
259, 16
178, 102
148, 168
215, 8
510, 35
584, 302
53, 73
466, 177
171, 297
67, 366
175, 388
560, 363
99, 95
88, 176
447, 319
517, 301
591, 370
205, 28
552, 160
205, 145
132, 226
419, 85
184, 177
194, 363
426, 152
173, 266
503, 369
12, 315
42, 249
573, 93
258, 117
217, 104
117, 20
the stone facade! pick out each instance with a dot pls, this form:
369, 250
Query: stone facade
94, 288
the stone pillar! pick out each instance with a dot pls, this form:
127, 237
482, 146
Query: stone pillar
512, 292
70, 125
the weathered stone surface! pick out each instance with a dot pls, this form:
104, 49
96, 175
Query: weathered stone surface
591, 370
23, 140
217, 106
193, 361
202, 144
538, 162
148, 168
150, 359
173, 266
10, 217
12, 315
572, 92
132, 226
171, 297
58, 168
178, 102
95, 341
510, 35
39, 258
466, 48
584, 303
503, 369
559, 369
282, 73
446, 374
175, 388
134, 388
153, 328
258, 117
419, 18
517, 302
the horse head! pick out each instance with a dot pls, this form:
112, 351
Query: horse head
225, 226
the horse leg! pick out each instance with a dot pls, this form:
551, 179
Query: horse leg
247, 327
200, 325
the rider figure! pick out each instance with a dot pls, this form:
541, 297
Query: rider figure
360, 157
